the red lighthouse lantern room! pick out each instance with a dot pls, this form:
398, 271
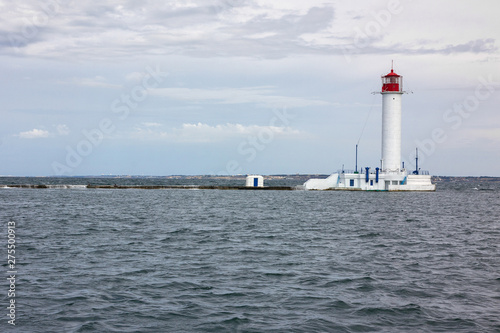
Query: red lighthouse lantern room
392, 82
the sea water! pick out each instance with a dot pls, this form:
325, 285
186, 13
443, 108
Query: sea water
116, 260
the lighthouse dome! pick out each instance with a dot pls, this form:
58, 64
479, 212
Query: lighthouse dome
392, 73
392, 82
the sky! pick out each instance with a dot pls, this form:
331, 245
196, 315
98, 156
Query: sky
226, 87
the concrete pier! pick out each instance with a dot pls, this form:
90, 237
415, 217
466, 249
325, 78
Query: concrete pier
192, 187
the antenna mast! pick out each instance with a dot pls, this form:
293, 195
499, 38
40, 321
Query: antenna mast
356, 171
416, 162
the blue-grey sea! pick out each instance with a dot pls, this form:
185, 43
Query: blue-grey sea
178, 260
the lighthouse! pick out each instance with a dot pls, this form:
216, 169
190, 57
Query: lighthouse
390, 175
392, 90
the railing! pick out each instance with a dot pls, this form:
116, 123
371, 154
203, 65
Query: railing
373, 171
361, 172
421, 172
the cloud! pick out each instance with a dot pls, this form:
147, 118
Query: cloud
377, 46
429, 47
201, 28
204, 133
474, 46
62, 130
150, 124
264, 96
134, 76
97, 81
34, 134
113, 29
292, 25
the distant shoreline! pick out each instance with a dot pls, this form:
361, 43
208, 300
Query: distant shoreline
296, 177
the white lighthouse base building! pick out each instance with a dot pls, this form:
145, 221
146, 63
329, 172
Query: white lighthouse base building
372, 181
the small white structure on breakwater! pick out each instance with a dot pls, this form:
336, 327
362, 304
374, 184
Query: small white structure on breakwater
255, 181
390, 176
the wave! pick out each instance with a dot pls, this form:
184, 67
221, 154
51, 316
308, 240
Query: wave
45, 186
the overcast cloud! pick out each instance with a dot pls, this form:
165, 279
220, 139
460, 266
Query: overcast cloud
197, 84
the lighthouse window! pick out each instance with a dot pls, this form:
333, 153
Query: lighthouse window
351, 182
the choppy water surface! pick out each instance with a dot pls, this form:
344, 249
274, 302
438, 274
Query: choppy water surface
254, 261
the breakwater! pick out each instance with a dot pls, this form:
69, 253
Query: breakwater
150, 187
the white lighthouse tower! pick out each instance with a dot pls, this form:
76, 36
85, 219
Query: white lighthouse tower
392, 90
390, 176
